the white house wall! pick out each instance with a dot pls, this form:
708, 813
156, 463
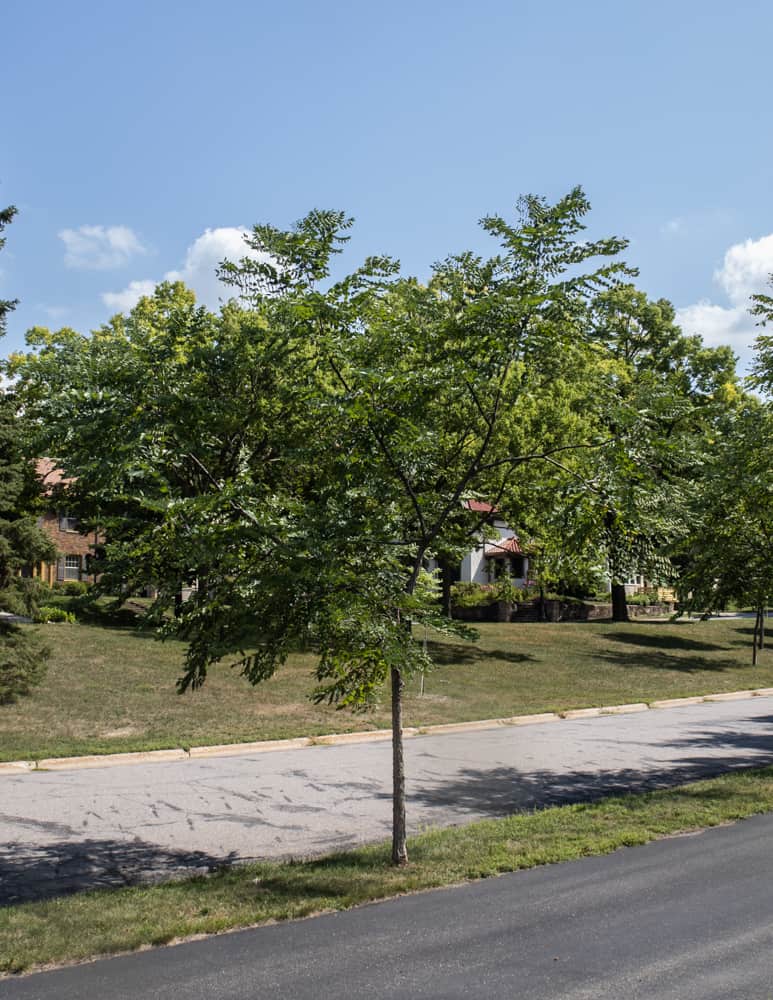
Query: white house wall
474, 569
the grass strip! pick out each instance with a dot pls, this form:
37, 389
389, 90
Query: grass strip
74, 928
112, 689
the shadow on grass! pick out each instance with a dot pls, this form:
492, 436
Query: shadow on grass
749, 631
445, 655
664, 661
665, 641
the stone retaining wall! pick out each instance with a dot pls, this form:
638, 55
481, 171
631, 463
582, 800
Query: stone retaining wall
555, 611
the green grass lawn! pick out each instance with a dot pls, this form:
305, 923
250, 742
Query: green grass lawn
112, 689
97, 923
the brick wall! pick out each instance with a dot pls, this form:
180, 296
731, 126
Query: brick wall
69, 543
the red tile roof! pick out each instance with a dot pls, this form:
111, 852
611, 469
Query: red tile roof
480, 506
504, 547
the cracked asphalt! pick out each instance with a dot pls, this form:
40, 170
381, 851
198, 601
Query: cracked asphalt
63, 831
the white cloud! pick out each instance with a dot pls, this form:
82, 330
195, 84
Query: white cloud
745, 270
129, 297
100, 248
202, 259
718, 324
204, 256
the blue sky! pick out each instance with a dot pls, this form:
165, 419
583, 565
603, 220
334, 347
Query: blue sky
137, 138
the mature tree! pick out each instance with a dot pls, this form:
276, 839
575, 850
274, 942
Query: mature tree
657, 396
306, 455
22, 658
728, 554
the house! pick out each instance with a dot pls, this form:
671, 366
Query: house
493, 558
75, 546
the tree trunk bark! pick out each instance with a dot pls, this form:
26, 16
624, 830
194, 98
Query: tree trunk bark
399, 845
619, 603
761, 637
755, 638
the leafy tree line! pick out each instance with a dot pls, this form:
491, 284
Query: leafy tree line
306, 452
22, 657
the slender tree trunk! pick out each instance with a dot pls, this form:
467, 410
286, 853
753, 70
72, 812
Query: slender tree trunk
755, 637
399, 845
446, 574
761, 637
619, 603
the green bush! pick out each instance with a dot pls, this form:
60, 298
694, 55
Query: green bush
48, 615
644, 600
32, 592
505, 590
22, 662
74, 588
471, 595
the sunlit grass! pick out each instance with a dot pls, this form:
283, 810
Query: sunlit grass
110, 689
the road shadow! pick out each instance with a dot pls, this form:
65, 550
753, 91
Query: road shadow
30, 872
741, 739
501, 791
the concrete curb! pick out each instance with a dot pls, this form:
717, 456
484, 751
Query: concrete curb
370, 736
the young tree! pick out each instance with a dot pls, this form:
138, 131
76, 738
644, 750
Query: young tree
306, 456
22, 658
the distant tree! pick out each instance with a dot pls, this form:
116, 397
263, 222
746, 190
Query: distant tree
656, 395
6, 305
22, 657
762, 371
728, 554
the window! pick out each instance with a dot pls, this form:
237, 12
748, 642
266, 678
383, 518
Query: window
517, 567
69, 568
67, 522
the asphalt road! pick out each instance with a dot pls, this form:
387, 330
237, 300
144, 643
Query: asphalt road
688, 918
61, 831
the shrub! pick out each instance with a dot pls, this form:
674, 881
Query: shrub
471, 595
22, 662
644, 599
74, 588
31, 592
48, 615
505, 590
